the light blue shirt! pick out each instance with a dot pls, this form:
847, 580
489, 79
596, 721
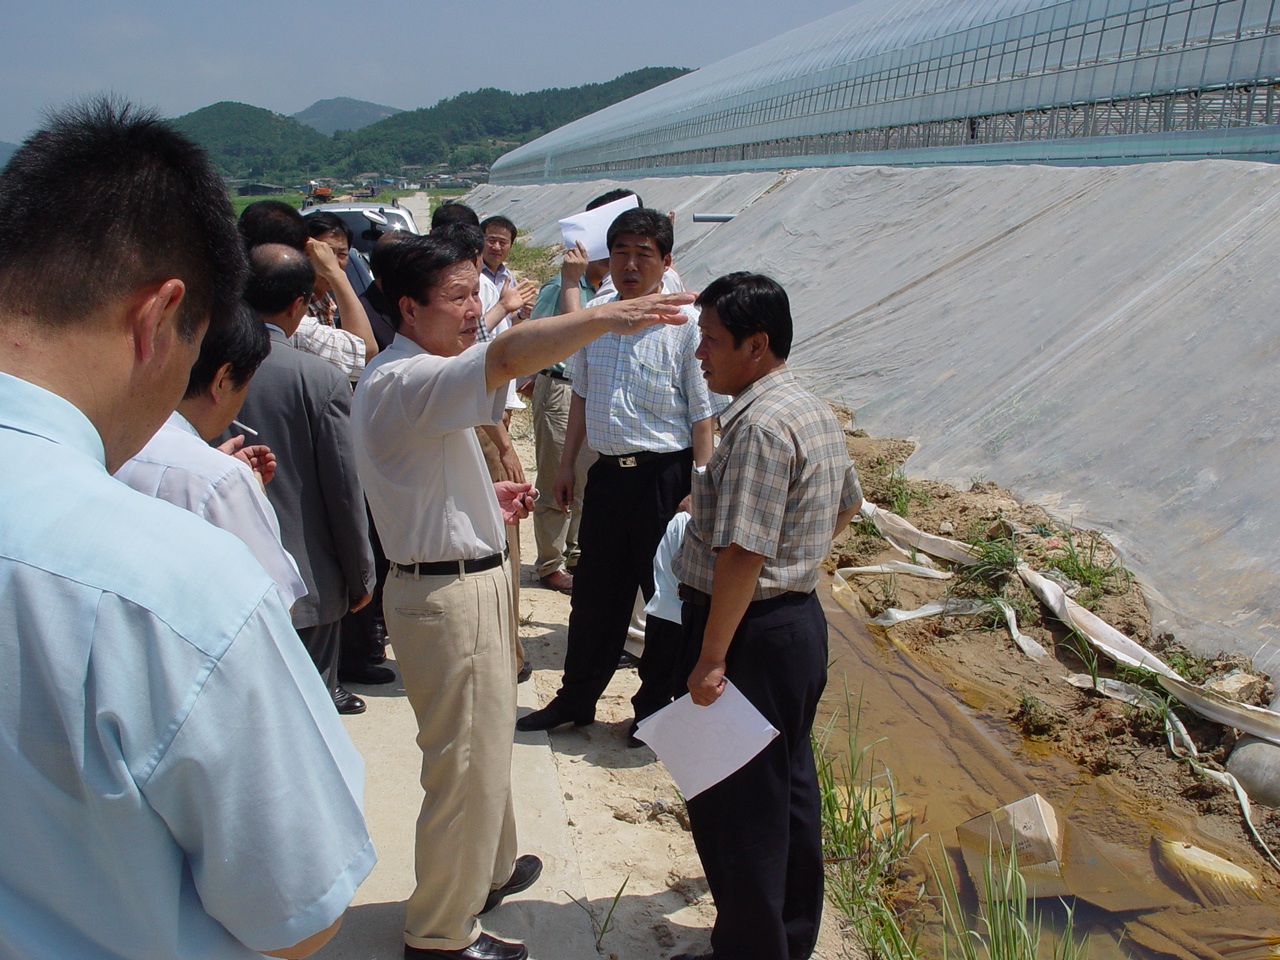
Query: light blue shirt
174, 780
665, 602
644, 391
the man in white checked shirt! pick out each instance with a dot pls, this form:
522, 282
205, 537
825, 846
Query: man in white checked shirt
642, 404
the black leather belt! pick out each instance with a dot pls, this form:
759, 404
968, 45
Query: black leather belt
690, 595
555, 375
635, 459
448, 568
699, 599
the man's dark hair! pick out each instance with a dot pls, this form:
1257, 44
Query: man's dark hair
382, 252
748, 303
467, 234
272, 221
417, 265
243, 343
453, 213
498, 221
278, 276
108, 199
323, 222
645, 223
613, 195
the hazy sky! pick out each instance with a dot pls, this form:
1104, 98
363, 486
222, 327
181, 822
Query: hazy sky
179, 55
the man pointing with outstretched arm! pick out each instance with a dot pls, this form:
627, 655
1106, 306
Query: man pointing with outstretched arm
447, 598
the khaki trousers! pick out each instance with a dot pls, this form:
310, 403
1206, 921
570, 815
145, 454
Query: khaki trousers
554, 532
456, 652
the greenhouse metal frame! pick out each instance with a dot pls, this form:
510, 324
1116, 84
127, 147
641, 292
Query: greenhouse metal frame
950, 81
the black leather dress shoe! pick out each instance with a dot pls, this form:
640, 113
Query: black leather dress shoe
525, 672
554, 714
692, 956
527, 869
486, 948
347, 702
367, 673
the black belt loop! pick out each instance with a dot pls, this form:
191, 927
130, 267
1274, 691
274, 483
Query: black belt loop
446, 568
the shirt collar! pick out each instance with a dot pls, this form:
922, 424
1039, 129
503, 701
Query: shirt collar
179, 422
748, 396
27, 408
494, 274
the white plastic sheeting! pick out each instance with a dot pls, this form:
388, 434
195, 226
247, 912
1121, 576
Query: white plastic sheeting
1100, 340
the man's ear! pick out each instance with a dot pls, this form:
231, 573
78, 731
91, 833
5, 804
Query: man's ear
407, 315
154, 318
222, 384
759, 345
666, 260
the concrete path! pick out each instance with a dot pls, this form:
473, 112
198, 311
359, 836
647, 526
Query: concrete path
543, 917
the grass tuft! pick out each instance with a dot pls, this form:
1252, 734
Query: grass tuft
1077, 558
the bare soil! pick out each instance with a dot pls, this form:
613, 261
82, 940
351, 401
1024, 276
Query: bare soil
984, 667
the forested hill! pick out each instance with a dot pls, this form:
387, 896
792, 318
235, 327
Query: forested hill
487, 123
476, 127
248, 141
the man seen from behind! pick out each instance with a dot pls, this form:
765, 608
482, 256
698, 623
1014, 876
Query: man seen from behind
174, 779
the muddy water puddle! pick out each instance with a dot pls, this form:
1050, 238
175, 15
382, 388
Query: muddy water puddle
953, 756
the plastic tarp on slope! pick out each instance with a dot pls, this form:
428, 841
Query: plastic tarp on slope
537, 209
1101, 340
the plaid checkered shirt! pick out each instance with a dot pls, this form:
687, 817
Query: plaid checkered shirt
778, 479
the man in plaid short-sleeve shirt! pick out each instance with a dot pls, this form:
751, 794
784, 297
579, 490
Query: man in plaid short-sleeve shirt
777, 488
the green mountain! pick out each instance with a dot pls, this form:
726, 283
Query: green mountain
251, 142
479, 127
343, 113
471, 128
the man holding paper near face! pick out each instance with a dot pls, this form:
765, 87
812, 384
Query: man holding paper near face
777, 488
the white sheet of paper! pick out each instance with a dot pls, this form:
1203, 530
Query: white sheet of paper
592, 227
700, 746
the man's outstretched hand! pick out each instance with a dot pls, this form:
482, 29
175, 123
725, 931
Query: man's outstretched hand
632, 316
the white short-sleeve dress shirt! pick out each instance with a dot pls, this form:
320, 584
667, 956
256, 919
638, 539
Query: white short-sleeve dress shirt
418, 456
177, 466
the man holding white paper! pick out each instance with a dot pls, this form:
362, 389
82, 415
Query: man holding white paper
777, 488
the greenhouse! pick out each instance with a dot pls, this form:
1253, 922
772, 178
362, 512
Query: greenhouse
950, 81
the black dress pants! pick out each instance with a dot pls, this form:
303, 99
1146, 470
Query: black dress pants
365, 633
759, 831
322, 643
625, 512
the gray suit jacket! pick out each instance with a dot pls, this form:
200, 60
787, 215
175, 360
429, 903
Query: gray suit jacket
301, 407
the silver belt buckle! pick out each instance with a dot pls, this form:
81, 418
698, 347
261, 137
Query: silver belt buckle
626, 461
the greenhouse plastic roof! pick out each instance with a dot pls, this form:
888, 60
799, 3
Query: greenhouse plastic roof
893, 62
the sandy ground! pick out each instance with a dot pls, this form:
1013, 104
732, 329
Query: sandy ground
598, 813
